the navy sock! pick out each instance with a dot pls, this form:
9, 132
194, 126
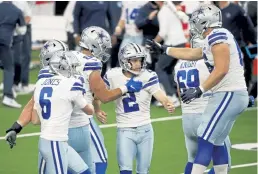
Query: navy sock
211, 171
126, 172
188, 168
86, 172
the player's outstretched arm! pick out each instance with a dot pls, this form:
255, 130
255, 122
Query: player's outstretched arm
178, 53
101, 115
17, 126
88, 109
26, 114
163, 99
98, 87
24, 118
35, 118
221, 55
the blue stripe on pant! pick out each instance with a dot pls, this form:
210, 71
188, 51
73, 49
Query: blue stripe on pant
220, 115
42, 167
57, 160
54, 154
57, 156
217, 115
99, 153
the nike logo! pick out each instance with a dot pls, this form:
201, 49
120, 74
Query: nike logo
132, 87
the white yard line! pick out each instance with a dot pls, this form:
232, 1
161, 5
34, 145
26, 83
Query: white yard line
237, 166
114, 125
102, 126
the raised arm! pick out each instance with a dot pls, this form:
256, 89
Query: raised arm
185, 53
178, 53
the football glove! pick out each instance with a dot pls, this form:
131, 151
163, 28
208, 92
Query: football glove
155, 47
191, 94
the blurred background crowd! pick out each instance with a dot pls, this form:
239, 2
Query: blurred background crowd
24, 26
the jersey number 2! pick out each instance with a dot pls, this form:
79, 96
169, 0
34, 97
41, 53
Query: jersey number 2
130, 104
44, 102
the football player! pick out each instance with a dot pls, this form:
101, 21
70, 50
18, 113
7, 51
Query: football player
134, 129
127, 23
95, 41
54, 100
191, 74
223, 58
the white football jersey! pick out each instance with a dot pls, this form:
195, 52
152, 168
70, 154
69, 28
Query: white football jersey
55, 98
234, 79
189, 74
129, 12
88, 64
133, 109
44, 73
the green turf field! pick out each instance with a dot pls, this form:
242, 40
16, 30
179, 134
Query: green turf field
169, 156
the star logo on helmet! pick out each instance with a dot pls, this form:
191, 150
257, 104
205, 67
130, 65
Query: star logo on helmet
101, 36
200, 11
123, 50
46, 46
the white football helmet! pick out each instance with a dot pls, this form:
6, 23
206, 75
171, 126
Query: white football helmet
206, 16
132, 51
98, 41
49, 48
196, 42
64, 63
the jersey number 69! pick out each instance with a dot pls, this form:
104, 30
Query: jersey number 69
188, 79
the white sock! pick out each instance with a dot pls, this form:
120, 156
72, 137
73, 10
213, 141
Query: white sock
221, 169
198, 169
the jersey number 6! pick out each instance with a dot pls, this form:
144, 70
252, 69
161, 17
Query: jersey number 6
44, 102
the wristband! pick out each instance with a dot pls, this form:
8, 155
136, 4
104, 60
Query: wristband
123, 89
202, 89
167, 50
